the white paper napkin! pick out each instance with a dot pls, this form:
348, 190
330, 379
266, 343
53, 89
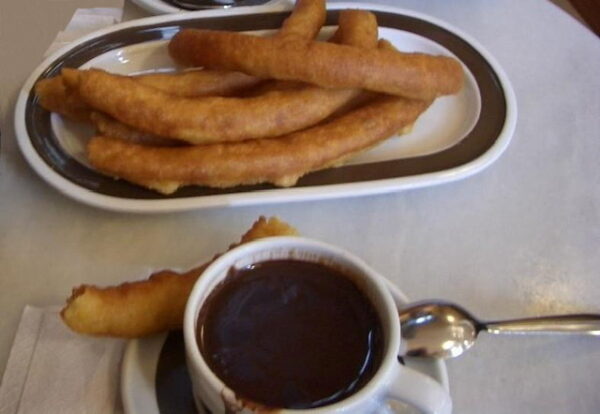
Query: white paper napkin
85, 21
52, 370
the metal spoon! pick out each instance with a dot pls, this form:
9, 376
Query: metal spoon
444, 330
214, 4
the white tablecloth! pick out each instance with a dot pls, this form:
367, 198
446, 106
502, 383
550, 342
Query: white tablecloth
520, 238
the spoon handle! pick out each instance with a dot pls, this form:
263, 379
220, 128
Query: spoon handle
566, 324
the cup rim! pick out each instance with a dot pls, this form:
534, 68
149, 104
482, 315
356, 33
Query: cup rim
229, 258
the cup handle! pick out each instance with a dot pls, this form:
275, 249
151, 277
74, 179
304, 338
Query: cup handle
420, 391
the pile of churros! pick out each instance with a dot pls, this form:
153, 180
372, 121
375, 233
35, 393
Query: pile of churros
252, 109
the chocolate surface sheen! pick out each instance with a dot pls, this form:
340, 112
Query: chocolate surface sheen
290, 334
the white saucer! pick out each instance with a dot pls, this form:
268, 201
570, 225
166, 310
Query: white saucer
141, 357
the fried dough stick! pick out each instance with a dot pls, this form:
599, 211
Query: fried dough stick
217, 119
208, 119
330, 65
281, 161
304, 22
55, 96
150, 306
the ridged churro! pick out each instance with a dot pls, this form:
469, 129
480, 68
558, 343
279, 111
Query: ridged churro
412, 75
145, 307
208, 119
55, 95
280, 161
305, 21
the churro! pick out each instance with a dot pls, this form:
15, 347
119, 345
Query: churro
55, 95
305, 21
209, 119
148, 306
330, 65
280, 161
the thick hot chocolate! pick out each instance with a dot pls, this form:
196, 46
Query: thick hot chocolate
290, 334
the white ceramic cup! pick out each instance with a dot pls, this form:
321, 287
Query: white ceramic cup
392, 380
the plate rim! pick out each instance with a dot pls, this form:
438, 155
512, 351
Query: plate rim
270, 196
131, 364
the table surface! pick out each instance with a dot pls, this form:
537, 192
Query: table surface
520, 238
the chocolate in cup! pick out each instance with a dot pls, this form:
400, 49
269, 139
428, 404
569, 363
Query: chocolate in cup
290, 334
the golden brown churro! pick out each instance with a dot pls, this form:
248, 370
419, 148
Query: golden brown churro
55, 95
208, 119
281, 161
149, 306
305, 21
412, 75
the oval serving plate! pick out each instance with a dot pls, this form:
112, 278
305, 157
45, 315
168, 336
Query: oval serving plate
154, 378
456, 137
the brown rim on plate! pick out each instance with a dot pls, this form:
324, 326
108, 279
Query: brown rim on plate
482, 136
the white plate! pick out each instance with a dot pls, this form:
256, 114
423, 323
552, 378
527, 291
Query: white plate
456, 137
138, 379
